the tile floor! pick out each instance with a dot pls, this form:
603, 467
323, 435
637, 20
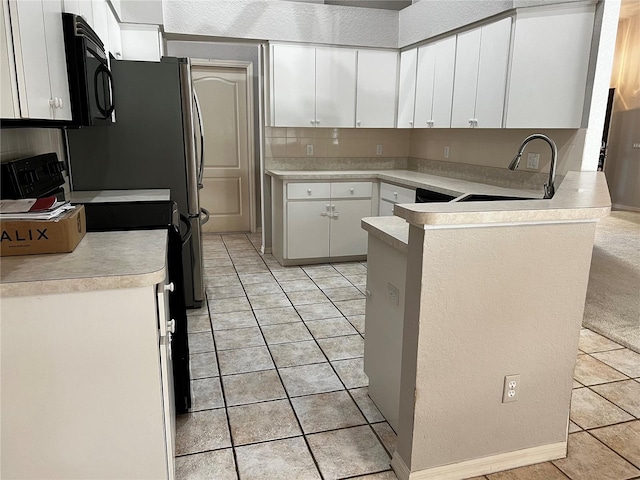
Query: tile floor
279, 390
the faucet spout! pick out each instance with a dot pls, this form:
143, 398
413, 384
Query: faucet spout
549, 188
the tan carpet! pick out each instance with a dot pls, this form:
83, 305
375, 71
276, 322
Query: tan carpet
613, 296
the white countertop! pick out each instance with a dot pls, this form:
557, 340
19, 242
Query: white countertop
101, 196
101, 261
392, 230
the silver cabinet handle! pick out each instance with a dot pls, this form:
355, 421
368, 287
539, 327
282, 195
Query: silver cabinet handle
358, 123
323, 214
351, 190
395, 194
170, 287
61, 103
309, 191
411, 123
333, 207
171, 326
313, 122
205, 219
335, 215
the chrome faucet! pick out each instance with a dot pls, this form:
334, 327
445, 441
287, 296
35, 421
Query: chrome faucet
549, 189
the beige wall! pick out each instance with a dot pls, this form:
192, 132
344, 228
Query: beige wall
623, 161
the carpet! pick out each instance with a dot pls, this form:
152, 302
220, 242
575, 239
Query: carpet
612, 307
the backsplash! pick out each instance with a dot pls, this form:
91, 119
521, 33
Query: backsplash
26, 142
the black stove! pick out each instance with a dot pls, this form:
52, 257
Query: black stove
32, 177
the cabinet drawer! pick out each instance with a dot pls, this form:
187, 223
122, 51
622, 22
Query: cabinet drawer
297, 191
351, 190
396, 194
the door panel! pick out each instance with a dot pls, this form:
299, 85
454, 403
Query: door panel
52, 11
308, 229
222, 93
466, 79
376, 90
424, 85
407, 87
443, 82
335, 87
294, 86
347, 236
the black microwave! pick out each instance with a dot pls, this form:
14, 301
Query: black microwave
90, 80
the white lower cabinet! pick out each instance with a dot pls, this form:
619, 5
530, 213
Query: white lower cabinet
325, 227
390, 195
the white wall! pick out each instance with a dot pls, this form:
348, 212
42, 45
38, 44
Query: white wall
283, 21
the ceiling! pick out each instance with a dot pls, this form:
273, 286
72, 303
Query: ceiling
381, 4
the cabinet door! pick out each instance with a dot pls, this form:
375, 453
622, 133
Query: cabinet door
308, 229
445, 51
140, 42
407, 88
492, 73
100, 22
466, 79
376, 89
335, 87
166, 372
9, 107
385, 208
85, 8
27, 21
115, 40
57, 59
347, 237
549, 72
424, 85
293, 99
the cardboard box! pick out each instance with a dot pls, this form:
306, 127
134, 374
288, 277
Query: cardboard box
30, 237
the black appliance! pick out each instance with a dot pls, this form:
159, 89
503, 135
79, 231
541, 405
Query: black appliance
150, 215
90, 80
427, 196
32, 177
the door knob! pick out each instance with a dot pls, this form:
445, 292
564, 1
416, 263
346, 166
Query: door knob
171, 326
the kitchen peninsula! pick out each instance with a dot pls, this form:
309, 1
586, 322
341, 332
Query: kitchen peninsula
493, 289
86, 375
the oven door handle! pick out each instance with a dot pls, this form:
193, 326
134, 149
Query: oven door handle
109, 89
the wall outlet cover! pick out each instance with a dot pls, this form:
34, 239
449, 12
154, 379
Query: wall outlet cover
378, 149
533, 160
310, 149
511, 388
446, 152
393, 294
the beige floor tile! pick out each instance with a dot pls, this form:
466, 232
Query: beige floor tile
219, 271
287, 459
198, 324
351, 268
310, 379
233, 320
625, 394
327, 411
244, 360
590, 371
203, 365
225, 305
222, 281
256, 278
318, 311
591, 341
321, 271
261, 422
290, 274
296, 354
387, 436
588, 459
351, 372
262, 268
348, 452
351, 307
357, 321
326, 283
252, 387
200, 431
344, 293
371, 412
301, 285
330, 327
277, 316
257, 289
306, 297
218, 464
238, 338
573, 427
357, 279
274, 300
623, 439
206, 394
388, 475
625, 360
200, 342
590, 410
576, 384
286, 333
253, 259
195, 312
539, 471
341, 348
213, 263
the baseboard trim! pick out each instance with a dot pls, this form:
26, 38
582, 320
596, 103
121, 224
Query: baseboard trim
629, 208
482, 466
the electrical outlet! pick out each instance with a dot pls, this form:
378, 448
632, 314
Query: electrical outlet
636, 145
309, 149
378, 149
393, 294
533, 159
446, 152
511, 388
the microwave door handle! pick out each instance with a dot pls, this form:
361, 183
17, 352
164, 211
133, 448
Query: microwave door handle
98, 72
109, 90
201, 127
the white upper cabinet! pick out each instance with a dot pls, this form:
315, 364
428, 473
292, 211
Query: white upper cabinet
407, 88
434, 84
115, 40
41, 67
335, 87
549, 67
482, 57
100, 22
9, 103
141, 42
293, 85
376, 89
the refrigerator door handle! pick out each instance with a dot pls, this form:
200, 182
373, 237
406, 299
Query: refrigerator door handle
205, 219
201, 127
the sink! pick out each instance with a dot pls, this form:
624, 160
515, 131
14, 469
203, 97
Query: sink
490, 198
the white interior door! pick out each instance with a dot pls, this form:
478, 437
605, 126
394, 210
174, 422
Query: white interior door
223, 96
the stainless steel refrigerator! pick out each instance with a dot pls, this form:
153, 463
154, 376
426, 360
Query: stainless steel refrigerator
154, 143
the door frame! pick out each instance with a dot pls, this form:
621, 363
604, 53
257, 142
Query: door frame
248, 70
